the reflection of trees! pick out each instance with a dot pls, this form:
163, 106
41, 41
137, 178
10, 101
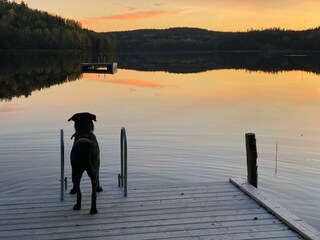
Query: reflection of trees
199, 62
20, 74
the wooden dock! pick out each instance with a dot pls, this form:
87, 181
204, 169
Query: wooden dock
215, 210
109, 68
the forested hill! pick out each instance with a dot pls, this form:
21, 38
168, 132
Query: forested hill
194, 39
25, 28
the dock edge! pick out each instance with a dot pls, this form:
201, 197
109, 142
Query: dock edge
294, 222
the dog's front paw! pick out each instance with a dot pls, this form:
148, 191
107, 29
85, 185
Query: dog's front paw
73, 191
93, 211
77, 207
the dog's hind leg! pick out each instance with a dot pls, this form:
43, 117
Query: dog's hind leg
73, 190
76, 181
77, 206
94, 181
99, 188
93, 209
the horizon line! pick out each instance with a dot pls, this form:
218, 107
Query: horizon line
221, 31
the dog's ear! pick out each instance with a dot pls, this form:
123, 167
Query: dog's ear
93, 117
81, 116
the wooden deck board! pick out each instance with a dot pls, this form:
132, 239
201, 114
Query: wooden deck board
184, 211
275, 208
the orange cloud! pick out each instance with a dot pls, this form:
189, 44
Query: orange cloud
129, 16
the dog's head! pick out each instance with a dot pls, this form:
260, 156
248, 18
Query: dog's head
83, 122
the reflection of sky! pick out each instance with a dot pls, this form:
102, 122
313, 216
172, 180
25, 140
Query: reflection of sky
252, 99
187, 127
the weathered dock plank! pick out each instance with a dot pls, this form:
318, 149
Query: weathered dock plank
186, 211
282, 213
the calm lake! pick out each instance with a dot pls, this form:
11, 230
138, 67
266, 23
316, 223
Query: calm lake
186, 116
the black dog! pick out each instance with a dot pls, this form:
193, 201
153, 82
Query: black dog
85, 156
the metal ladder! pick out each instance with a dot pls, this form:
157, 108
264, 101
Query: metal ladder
122, 177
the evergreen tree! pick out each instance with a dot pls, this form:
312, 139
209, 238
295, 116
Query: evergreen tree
24, 28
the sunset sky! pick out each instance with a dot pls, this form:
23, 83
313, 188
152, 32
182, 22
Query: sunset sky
222, 15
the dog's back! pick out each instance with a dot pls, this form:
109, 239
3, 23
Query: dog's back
85, 155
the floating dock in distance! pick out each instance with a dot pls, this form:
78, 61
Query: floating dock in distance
109, 68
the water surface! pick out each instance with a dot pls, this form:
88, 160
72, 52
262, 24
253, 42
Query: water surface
184, 124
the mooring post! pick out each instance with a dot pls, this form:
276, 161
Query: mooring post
252, 156
123, 176
125, 193
62, 179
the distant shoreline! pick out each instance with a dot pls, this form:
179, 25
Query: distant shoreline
69, 51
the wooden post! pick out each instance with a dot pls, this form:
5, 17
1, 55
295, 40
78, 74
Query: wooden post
252, 156
123, 176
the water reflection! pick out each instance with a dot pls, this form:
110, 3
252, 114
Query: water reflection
200, 62
181, 127
21, 74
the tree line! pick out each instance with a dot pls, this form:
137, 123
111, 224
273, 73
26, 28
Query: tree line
25, 28
195, 39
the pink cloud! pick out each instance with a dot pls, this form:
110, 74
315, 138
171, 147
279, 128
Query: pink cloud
9, 107
140, 83
129, 16
131, 82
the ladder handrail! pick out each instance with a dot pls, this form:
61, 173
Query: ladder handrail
62, 164
123, 176
63, 179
